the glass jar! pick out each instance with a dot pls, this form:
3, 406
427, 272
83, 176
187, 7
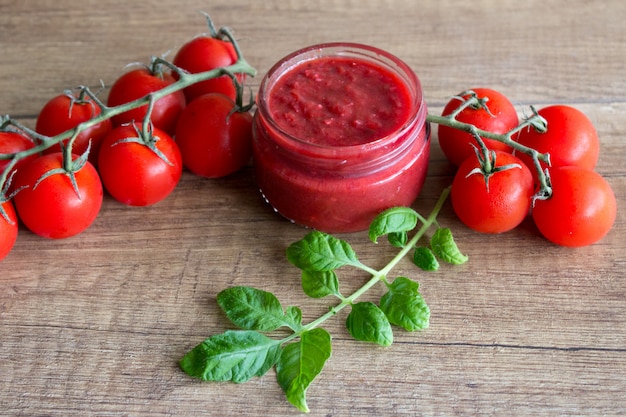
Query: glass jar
340, 135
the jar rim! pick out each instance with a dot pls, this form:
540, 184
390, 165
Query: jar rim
369, 53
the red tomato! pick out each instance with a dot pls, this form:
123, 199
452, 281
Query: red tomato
581, 210
498, 205
11, 142
213, 139
63, 113
206, 53
457, 145
8, 228
50, 206
571, 139
138, 83
135, 174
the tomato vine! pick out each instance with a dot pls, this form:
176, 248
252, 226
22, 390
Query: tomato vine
534, 121
186, 79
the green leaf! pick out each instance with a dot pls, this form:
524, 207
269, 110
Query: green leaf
318, 284
300, 363
235, 355
398, 239
425, 259
404, 306
368, 323
393, 220
319, 251
252, 309
293, 318
444, 246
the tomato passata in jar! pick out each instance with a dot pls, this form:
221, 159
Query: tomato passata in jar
340, 135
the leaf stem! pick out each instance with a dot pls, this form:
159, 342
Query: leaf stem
430, 220
378, 275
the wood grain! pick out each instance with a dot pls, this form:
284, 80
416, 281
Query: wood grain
95, 324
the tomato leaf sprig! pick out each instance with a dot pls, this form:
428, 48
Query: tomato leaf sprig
299, 357
533, 121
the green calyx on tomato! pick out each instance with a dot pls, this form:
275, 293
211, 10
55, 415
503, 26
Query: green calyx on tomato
66, 112
139, 166
572, 139
484, 109
145, 136
493, 194
8, 227
57, 198
144, 81
216, 50
486, 118
3, 212
487, 163
69, 166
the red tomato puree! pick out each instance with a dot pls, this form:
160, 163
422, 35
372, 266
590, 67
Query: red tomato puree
339, 139
338, 101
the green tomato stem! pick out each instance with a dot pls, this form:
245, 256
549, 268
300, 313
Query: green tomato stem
186, 79
534, 121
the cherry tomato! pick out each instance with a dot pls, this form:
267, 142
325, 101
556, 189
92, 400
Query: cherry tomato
581, 210
139, 83
214, 140
497, 205
206, 53
571, 139
12, 142
8, 228
65, 112
501, 118
135, 174
50, 206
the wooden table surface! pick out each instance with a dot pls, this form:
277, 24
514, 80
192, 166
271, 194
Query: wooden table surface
95, 324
